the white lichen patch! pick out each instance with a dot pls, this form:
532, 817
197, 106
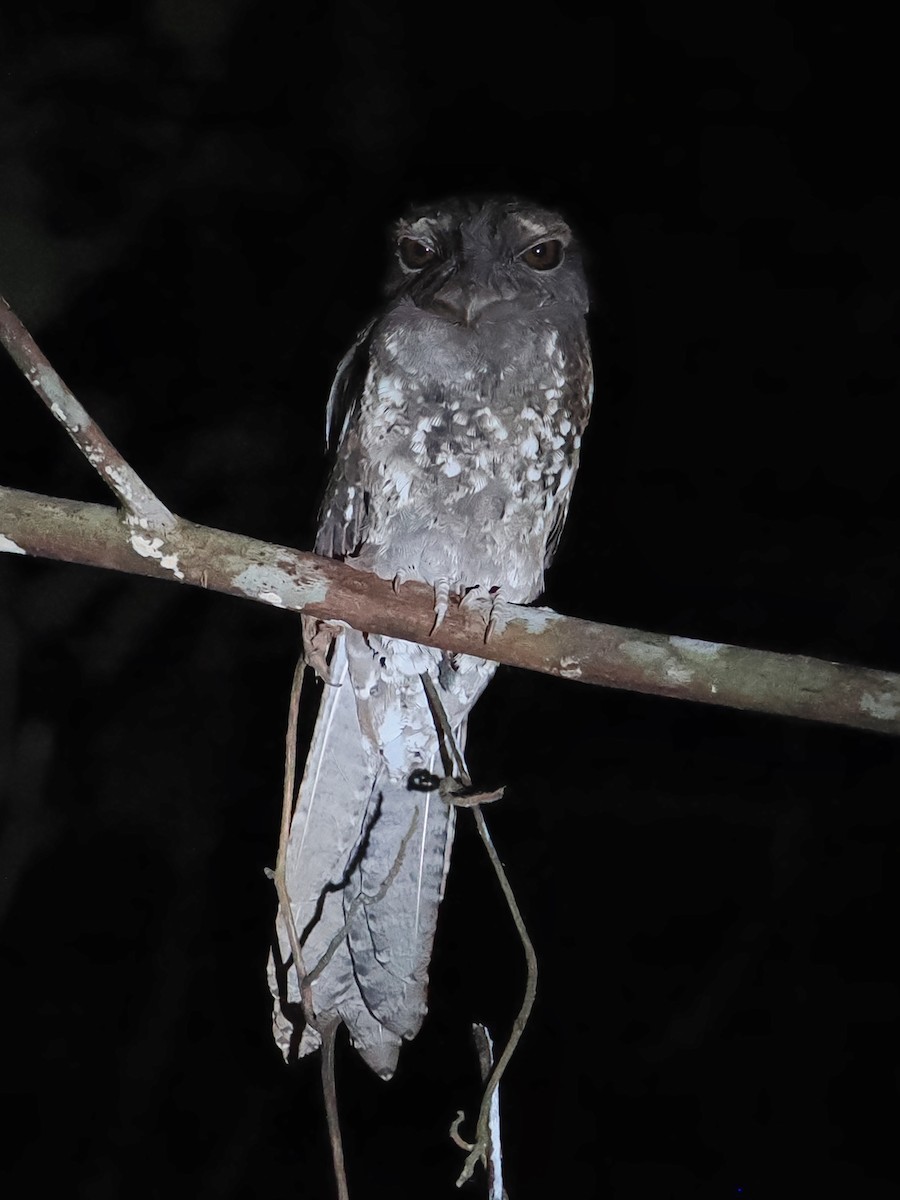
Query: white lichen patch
272, 598
883, 706
676, 673
569, 668
8, 546
146, 547
658, 658
63, 404
151, 547
263, 582
120, 477
170, 563
645, 653
137, 521
535, 620
690, 646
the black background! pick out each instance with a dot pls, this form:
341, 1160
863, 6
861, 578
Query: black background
193, 205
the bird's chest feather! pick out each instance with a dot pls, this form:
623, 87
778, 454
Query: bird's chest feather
464, 466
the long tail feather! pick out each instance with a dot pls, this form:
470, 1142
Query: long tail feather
368, 854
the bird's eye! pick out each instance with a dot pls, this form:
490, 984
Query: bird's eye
415, 255
544, 256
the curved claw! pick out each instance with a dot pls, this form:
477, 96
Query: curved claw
472, 594
493, 595
440, 611
441, 602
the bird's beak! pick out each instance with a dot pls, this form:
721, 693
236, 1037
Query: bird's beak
462, 300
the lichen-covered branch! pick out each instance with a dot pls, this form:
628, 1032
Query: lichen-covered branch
141, 506
534, 638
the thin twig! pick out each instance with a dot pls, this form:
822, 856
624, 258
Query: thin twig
454, 762
279, 875
141, 506
328, 1034
484, 1045
481, 1149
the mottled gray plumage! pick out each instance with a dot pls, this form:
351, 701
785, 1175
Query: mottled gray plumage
457, 420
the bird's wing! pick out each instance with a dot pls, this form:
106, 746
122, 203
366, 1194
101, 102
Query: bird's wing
344, 514
576, 397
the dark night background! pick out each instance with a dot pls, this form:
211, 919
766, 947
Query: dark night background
193, 204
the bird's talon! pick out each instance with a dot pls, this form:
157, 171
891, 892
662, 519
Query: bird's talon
440, 611
441, 603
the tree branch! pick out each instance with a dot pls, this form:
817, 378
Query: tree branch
534, 638
141, 506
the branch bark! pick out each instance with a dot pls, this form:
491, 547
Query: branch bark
141, 506
534, 638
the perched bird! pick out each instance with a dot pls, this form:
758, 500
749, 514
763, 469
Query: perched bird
456, 420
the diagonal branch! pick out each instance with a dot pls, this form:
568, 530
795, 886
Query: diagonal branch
140, 504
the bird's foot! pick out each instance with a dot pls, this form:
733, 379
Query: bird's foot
441, 603
486, 597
